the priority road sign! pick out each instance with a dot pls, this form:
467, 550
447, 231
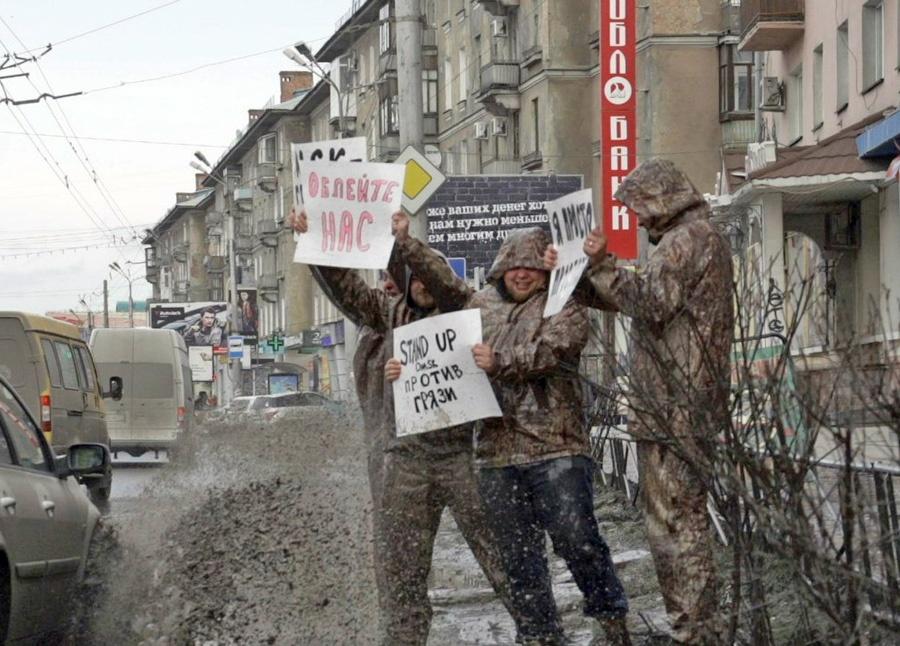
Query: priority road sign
423, 179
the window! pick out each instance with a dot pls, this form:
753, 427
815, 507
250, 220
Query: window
13, 364
448, 83
390, 118
85, 360
52, 363
463, 75
842, 65
735, 80
429, 91
67, 364
872, 45
536, 124
385, 29
817, 87
794, 112
22, 433
267, 148
463, 157
79, 369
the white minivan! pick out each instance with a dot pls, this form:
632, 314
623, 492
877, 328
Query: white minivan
157, 402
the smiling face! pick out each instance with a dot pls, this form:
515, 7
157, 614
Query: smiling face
420, 295
522, 283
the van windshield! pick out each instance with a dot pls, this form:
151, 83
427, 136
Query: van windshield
143, 380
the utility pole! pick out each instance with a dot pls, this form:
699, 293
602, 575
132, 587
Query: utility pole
105, 303
235, 364
408, 18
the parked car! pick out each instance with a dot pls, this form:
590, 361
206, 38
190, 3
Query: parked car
157, 403
46, 523
47, 362
290, 404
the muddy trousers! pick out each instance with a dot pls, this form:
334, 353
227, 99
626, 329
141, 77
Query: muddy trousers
681, 541
375, 463
416, 490
555, 496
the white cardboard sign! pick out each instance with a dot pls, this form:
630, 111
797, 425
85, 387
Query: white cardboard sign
571, 218
352, 149
349, 206
440, 386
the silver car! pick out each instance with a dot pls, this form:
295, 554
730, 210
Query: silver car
46, 524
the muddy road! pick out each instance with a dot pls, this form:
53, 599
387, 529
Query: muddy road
260, 534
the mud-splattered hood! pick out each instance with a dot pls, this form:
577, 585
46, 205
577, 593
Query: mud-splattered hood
660, 193
523, 248
408, 282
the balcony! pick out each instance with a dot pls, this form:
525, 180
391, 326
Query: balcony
268, 231
770, 25
387, 64
500, 87
498, 7
243, 243
243, 197
267, 284
267, 178
214, 264
214, 219
152, 273
180, 252
532, 160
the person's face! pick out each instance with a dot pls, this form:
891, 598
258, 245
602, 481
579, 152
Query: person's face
388, 284
245, 296
522, 283
420, 295
208, 319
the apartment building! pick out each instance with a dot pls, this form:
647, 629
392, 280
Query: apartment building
815, 208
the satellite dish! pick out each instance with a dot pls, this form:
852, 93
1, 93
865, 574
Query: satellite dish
433, 154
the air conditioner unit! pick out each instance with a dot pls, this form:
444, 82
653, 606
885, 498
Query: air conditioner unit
352, 62
481, 130
498, 27
772, 94
498, 127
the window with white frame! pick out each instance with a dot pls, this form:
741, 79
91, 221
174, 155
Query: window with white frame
735, 81
794, 111
267, 148
463, 75
430, 91
818, 59
842, 66
448, 84
872, 43
390, 117
385, 29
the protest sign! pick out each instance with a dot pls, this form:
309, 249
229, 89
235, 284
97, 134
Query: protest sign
349, 207
440, 386
571, 219
352, 149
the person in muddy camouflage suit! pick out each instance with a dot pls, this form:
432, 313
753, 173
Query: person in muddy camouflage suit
368, 360
421, 474
535, 470
682, 327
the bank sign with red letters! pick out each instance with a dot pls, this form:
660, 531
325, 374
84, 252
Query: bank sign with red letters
618, 121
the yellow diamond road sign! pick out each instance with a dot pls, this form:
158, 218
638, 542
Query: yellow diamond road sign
422, 179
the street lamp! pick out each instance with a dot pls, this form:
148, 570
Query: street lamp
232, 268
116, 267
301, 54
90, 315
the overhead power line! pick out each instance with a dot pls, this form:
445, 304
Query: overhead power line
191, 144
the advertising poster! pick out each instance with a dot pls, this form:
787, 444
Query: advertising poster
201, 360
247, 315
571, 219
203, 323
349, 206
440, 386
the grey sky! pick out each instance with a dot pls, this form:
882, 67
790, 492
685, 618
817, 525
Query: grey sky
202, 109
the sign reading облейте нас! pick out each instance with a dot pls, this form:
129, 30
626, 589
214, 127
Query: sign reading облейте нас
349, 208
440, 386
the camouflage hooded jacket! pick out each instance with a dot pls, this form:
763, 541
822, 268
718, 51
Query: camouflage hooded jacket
381, 313
536, 381
680, 304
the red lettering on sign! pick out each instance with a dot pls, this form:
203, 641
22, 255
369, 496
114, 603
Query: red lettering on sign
618, 118
328, 231
364, 218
